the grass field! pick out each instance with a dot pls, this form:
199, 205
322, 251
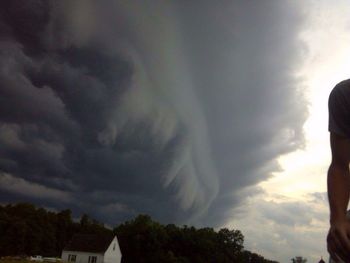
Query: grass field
22, 260
6, 260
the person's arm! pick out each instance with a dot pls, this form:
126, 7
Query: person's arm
338, 177
338, 239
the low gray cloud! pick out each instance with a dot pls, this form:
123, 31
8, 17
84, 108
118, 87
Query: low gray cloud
282, 229
176, 110
288, 213
31, 190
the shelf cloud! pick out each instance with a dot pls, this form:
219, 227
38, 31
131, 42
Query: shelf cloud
176, 109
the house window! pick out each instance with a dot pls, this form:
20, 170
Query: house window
72, 258
114, 246
92, 259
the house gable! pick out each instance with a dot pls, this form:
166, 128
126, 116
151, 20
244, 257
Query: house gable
113, 253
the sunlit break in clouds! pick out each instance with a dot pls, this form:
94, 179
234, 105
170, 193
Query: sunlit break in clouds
177, 110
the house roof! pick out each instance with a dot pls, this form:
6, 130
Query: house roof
89, 243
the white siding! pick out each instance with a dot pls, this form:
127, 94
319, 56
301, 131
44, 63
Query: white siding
113, 253
82, 257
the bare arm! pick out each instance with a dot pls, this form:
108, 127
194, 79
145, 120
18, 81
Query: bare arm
338, 194
338, 177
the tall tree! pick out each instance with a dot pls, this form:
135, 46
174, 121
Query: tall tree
299, 259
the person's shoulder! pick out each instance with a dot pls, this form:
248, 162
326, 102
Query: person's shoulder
339, 109
341, 89
343, 85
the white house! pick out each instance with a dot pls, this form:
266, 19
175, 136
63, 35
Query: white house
88, 248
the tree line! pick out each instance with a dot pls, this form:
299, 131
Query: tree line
28, 230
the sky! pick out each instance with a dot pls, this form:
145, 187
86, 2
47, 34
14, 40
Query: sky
201, 113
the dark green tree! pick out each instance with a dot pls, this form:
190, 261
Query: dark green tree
299, 259
26, 229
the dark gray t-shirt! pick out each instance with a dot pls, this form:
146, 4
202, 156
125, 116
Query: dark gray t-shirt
339, 109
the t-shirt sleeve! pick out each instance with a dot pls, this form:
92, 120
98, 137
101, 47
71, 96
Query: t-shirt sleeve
339, 112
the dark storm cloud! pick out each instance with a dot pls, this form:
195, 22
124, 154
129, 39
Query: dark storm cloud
246, 82
122, 107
